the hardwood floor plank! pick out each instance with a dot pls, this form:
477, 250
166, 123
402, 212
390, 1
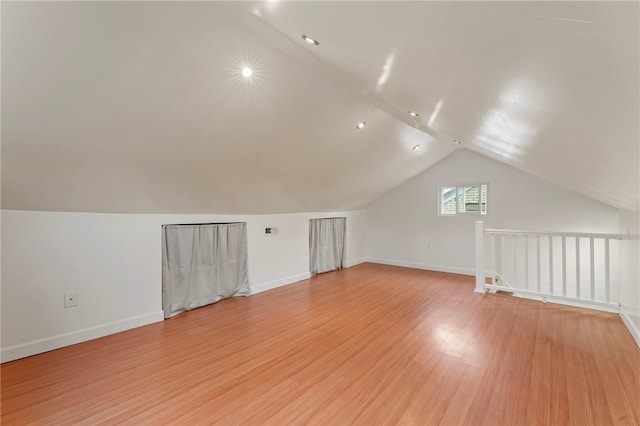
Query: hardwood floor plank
369, 345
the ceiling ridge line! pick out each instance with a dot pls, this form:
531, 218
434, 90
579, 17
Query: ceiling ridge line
274, 37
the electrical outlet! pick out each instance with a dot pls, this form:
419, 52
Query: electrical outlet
70, 298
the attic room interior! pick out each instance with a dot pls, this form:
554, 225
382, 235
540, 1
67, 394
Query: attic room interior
309, 212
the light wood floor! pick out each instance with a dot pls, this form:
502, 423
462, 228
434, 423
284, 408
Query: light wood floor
369, 345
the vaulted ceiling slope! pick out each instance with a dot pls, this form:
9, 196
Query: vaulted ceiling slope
141, 106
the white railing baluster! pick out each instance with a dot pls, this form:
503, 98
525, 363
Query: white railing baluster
515, 260
578, 267
564, 265
607, 271
493, 259
538, 276
550, 264
526, 262
592, 292
503, 267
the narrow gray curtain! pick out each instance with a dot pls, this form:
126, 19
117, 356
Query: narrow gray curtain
326, 244
202, 264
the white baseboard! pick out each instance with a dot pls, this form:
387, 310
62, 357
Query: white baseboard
630, 325
259, 288
439, 268
23, 350
279, 283
574, 304
350, 263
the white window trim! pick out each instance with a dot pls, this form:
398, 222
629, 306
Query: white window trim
456, 186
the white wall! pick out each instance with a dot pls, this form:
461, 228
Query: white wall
630, 273
401, 225
114, 262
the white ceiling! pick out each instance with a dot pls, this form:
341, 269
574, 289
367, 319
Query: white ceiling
140, 107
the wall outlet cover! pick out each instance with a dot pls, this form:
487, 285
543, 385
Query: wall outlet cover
70, 299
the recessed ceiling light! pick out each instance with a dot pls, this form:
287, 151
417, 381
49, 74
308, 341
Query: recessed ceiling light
309, 40
413, 113
416, 147
361, 125
247, 72
457, 141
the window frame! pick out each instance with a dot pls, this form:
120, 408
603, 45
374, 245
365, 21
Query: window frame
457, 205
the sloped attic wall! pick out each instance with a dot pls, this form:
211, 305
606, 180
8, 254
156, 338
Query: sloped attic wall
140, 107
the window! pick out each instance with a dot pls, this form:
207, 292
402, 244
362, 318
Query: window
463, 199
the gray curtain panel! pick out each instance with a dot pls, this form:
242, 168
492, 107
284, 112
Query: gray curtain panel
202, 264
326, 244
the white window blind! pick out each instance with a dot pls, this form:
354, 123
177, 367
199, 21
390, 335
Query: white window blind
455, 200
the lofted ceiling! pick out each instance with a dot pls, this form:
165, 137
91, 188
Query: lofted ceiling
140, 107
